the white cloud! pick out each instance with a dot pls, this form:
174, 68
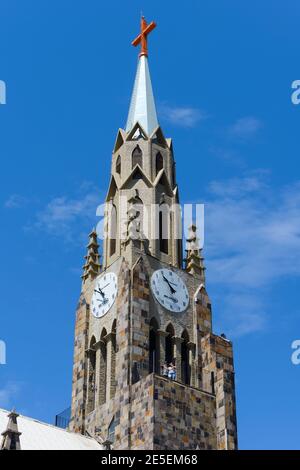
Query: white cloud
242, 312
67, 218
181, 116
15, 201
237, 186
8, 394
245, 127
252, 241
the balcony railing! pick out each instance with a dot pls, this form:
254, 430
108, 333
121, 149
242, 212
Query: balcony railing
62, 419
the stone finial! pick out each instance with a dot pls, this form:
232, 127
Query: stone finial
194, 259
92, 265
11, 436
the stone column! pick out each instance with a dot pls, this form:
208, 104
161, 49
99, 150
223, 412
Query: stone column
102, 370
192, 363
91, 379
113, 382
162, 347
108, 340
177, 356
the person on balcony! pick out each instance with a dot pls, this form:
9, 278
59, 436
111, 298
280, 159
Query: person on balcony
164, 370
172, 371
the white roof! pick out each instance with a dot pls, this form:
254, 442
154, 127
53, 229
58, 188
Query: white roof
42, 436
142, 106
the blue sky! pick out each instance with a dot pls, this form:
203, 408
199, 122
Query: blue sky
222, 74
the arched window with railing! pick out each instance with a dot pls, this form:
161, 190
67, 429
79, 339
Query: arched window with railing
153, 347
185, 360
169, 344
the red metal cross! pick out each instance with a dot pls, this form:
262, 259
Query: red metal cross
142, 37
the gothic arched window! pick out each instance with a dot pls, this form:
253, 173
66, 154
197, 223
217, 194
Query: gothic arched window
176, 218
103, 367
159, 163
185, 362
113, 360
113, 230
153, 347
137, 157
170, 344
118, 165
163, 228
91, 376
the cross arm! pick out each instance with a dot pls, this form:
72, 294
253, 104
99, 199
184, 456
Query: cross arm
145, 32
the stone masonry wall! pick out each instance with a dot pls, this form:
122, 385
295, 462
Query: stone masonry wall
161, 415
150, 411
185, 417
217, 357
140, 318
79, 367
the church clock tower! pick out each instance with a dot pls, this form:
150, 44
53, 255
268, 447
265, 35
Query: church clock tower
140, 311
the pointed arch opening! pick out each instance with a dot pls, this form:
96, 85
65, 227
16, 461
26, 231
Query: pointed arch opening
103, 367
185, 360
163, 228
113, 360
118, 165
176, 218
113, 230
153, 347
137, 157
91, 376
159, 163
170, 344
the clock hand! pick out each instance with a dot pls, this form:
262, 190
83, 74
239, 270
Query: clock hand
100, 292
173, 291
105, 286
172, 298
170, 282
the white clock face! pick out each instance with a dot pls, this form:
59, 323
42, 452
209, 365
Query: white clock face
169, 290
104, 295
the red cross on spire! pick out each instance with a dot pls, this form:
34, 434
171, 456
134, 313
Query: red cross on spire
142, 37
